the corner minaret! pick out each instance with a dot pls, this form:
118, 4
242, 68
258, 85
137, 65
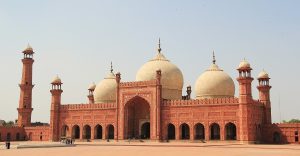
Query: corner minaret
55, 108
245, 81
264, 95
25, 102
91, 93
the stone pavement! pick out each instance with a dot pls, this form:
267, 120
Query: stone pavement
153, 149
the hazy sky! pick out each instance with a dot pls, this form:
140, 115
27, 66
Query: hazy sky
78, 39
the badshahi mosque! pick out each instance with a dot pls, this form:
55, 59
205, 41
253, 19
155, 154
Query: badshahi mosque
156, 107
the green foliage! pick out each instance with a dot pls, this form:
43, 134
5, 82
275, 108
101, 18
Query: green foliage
292, 121
8, 124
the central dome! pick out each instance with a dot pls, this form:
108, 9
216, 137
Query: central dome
214, 83
171, 80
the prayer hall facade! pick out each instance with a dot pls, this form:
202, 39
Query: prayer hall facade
153, 108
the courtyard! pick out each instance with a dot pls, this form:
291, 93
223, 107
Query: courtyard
148, 148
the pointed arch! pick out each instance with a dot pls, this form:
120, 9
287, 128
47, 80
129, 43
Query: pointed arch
199, 131
215, 131
86, 132
171, 132
184, 131
230, 131
76, 132
98, 132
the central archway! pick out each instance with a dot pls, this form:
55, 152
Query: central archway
137, 119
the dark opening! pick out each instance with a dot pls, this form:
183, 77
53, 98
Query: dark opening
8, 137
230, 131
199, 132
171, 132
215, 132
276, 138
86, 132
98, 132
185, 131
145, 131
18, 136
41, 136
111, 132
296, 136
76, 132
65, 130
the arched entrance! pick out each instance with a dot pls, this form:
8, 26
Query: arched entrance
86, 132
137, 113
75, 132
276, 138
184, 131
199, 132
8, 136
64, 131
98, 132
145, 131
171, 132
214, 131
230, 131
110, 132
30, 136
18, 136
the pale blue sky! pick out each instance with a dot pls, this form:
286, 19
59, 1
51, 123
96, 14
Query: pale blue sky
78, 39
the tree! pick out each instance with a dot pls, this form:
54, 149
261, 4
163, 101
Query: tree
8, 124
292, 121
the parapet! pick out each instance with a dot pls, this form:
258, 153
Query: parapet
88, 106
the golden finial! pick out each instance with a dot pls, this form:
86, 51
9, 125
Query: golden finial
111, 67
159, 49
214, 57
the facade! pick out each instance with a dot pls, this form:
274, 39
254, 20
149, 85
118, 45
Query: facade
153, 107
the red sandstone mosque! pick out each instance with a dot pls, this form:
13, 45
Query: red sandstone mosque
153, 107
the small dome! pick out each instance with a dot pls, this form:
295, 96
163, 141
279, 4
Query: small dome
105, 91
28, 49
214, 83
263, 75
171, 80
56, 80
92, 86
244, 64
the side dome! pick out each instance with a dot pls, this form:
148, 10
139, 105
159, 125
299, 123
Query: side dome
171, 80
105, 91
214, 83
263, 75
244, 64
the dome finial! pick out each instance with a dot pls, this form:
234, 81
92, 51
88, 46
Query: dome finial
214, 57
159, 49
111, 67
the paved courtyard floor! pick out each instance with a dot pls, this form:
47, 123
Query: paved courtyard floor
150, 149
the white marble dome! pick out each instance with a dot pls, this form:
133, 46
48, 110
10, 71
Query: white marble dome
244, 64
214, 83
105, 91
263, 75
56, 80
171, 80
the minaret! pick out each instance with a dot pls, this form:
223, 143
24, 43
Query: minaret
245, 100
264, 95
91, 93
25, 102
55, 108
245, 80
